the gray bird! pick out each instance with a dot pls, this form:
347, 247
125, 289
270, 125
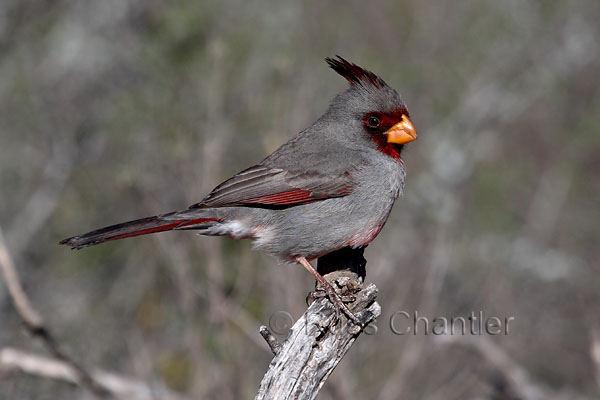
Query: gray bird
331, 186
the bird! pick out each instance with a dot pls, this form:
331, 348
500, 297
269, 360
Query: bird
331, 186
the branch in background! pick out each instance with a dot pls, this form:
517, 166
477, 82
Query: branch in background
17, 360
35, 324
507, 374
30, 317
316, 344
44, 199
595, 352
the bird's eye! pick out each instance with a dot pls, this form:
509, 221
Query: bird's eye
373, 122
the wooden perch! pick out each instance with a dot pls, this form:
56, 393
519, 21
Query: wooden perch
317, 342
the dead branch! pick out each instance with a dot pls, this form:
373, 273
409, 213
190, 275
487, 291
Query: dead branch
506, 369
35, 324
270, 339
126, 388
42, 202
316, 344
595, 352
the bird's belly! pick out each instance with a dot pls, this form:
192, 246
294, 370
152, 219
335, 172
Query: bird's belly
314, 229
318, 228
361, 239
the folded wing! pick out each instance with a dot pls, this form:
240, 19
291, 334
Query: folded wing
266, 186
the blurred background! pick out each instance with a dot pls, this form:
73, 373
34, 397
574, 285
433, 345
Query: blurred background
115, 110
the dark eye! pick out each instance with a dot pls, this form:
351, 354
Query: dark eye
373, 122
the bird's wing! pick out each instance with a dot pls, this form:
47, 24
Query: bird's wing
267, 186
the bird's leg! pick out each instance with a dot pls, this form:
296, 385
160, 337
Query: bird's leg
329, 289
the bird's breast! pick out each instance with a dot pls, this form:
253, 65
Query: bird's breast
373, 199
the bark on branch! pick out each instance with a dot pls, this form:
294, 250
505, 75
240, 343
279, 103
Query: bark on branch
317, 342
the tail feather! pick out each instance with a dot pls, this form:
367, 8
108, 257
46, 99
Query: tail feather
143, 226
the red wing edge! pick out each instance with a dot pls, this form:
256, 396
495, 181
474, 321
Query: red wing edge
296, 196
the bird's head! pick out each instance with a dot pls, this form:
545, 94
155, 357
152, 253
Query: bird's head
372, 108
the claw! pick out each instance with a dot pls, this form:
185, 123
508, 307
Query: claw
328, 290
337, 301
319, 293
313, 295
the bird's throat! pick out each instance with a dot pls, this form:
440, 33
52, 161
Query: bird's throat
391, 149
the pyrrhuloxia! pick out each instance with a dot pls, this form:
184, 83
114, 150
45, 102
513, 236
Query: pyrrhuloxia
331, 186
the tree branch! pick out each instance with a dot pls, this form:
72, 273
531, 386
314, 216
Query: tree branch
35, 325
270, 339
317, 342
18, 360
507, 375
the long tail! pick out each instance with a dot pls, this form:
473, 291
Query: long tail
143, 226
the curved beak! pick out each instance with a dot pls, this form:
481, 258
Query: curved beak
401, 133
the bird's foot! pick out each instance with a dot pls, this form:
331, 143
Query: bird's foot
338, 303
327, 290
319, 293
325, 286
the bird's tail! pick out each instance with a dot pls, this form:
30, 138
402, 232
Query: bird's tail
159, 223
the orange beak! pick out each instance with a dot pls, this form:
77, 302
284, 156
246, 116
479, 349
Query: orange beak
401, 133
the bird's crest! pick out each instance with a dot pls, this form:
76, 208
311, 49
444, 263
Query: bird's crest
353, 73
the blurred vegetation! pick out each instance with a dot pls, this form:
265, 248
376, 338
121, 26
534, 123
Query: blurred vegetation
114, 110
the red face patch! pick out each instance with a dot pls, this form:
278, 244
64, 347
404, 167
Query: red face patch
385, 121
